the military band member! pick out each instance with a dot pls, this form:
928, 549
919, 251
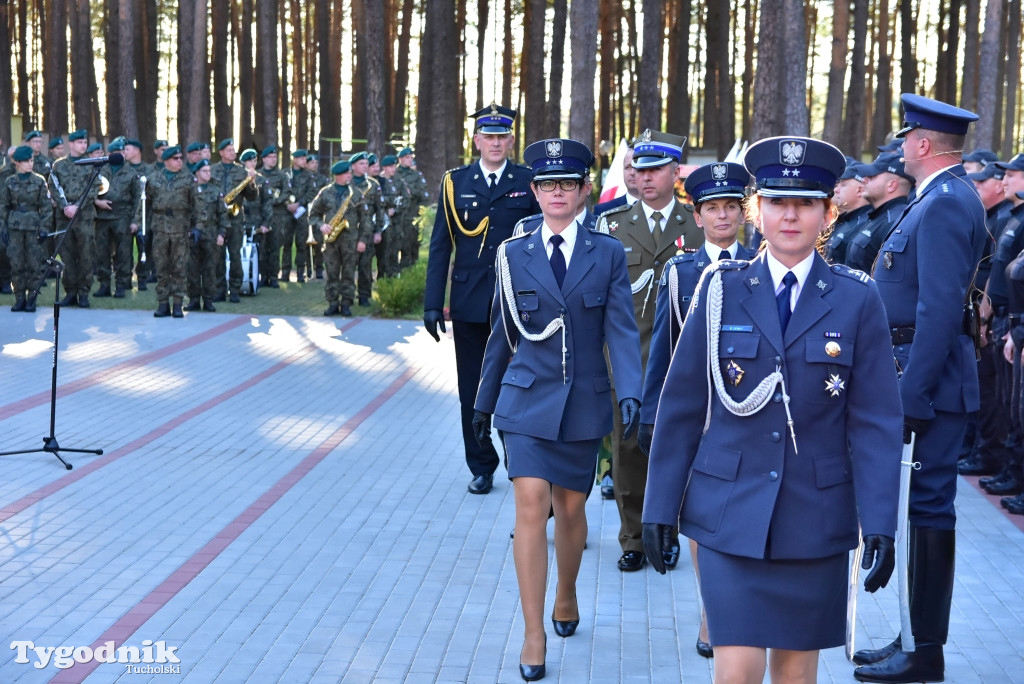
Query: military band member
296, 226
419, 196
171, 193
25, 212
192, 153
158, 153
339, 213
68, 187
257, 212
57, 148
276, 183
229, 177
652, 230
391, 201
924, 276
208, 236
479, 207
133, 158
117, 220
853, 211
886, 188
400, 199
370, 189
315, 264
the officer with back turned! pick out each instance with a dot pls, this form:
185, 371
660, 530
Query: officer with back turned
479, 206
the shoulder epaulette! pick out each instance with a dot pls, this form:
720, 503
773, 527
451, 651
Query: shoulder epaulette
680, 258
729, 265
616, 210
517, 237
844, 270
457, 168
520, 227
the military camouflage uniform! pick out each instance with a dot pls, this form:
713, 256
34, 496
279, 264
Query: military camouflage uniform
390, 243
172, 198
113, 228
6, 171
316, 265
295, 230
144, 243
278, 192
370, 189
41, 164
401, 224
418, 195
225, 178
340, 256
211, 220
78, 249
25, 210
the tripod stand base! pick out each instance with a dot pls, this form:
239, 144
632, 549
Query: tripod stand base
50, 446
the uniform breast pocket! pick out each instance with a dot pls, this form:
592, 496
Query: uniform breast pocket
527, 301
594, 302
633, 258
828, 368
892, 259
737, 357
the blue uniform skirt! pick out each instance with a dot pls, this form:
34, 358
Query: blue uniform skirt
570, 465
797, 605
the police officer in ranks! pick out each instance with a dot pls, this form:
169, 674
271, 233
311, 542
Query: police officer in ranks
924, 274
369, 188
67, 185
584, 217
208, 236
853, 211
171, 193
478, 207
417, 185
777, 437
1013, 500
399, 197
885, 188
231, 180
654, 229
346, 224
975, 161
315, 262
629, 179
551, 398
117, 219
25, 212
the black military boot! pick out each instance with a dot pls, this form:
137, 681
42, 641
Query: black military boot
931, 596
346, 310
332, 310
19, 304
69, 300
104, 291
176, 311
83, 301
163, 310
193, 304
208, 306
30, 302
119, 293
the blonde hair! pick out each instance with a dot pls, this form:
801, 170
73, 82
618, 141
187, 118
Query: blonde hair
752, 208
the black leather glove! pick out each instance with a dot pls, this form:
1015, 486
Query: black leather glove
5, 238
879, 552
644, 437
431, 319
482, 427
42, 236
652, 536
917, 425
194, 236
630, 409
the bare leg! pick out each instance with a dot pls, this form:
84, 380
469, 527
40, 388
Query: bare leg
570, 537
530, 552
740, 665
793, 667
702, 635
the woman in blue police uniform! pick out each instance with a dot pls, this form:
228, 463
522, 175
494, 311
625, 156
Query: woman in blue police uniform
562, 293
778, 434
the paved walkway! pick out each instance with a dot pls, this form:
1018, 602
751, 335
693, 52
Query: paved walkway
284, 499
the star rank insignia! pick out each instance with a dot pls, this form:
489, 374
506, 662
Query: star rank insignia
834, 385
755, 281
820, 284
734, 373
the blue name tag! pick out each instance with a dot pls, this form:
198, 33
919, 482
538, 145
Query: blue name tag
737, 328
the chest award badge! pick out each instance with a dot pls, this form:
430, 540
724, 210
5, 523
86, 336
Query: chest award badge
887, 260
734, 373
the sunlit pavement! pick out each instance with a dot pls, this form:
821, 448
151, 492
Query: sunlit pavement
284, 499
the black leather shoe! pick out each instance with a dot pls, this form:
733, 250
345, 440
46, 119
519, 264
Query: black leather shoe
176, 311
531, 673
162, 311
104, 291
1008, 487
30, 303
69, 300
300, 278
565, 628
193, 305
998, 477
925, 664
1014, 504
871, 656
208, 306
332, 310
83, 301
607, 487
670, 549
976, 465
631, 561
234, 298
481, 484
119, 293
704, 649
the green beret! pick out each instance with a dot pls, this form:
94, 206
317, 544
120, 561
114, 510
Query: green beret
204, 145
389, 160
268, 150
247, 155
134, 143
118, 139
341, 167
356, 157
22, 153
312, 157
198, 165
95, 147
193, 147
32, 135
224, 143
80, 134
300, 153
160, 143
372, 159
406, 151
116, 146
56, 141
170, 152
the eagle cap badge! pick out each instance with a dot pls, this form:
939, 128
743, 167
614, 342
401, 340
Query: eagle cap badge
791, 152
646, 135
719, 171
554, 148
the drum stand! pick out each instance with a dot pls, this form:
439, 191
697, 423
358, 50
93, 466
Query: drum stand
50, 444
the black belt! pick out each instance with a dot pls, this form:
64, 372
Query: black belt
1013, 318
24, 208
164, 212
903, 335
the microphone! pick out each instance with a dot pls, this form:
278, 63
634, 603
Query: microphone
116, 158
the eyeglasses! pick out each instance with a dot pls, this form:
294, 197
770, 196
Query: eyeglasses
566, 184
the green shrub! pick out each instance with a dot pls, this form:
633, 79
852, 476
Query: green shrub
425, 221
403, 293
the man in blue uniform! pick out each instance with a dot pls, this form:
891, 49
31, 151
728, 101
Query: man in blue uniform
478, 208
886, 188
853, 211
924, 275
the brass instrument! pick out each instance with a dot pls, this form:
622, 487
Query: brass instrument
310, 238
338, 222
229, 199
104, 185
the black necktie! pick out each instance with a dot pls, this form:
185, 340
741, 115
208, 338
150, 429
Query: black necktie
557, 259
782, 299
724, 254
493, 179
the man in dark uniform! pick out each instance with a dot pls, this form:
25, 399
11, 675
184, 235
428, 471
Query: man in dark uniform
117, 220
924, 275
68, 186
853, 211
478, 208
171, 193
886, 187
229, 178
417, 185
652, 230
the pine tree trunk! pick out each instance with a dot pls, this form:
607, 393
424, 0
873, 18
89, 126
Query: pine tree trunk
127, 101
358, 71
268, 89
112, 75
437, 117
399, 121
583, 17
988, 121
284, 104
373, 61
719, 104
6, 91
533, 82
648, 89
147, 69
553, 108
1013, 28
881, 120
219, 31
299, 40
246, 74
83, 82
482, 16
908, 60
677, 114
854, 125
837, 73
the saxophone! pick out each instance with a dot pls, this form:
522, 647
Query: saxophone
338, 222
229, 199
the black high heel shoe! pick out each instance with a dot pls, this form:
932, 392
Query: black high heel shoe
565, 628
532, 673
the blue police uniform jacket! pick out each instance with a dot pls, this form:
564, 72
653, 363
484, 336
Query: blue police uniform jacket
532, 223
613, 203
923, 272
524, 389
471, 201
740, 486
688, 268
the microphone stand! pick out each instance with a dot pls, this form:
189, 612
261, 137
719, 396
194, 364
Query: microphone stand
50, 444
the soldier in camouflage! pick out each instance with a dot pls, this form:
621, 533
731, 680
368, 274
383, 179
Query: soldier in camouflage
208, 235
390, 200
117, 220
369, 188
418, 196
41, 164
226, 177
25, 211
70, 189
276, 183
341, 255
401, 200
295, 226
171, 193
315, 265
7, 169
